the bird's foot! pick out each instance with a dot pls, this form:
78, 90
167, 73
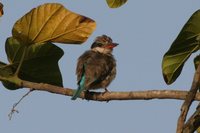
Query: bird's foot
86, 95
106, 91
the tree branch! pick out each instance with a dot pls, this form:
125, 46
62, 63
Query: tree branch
193, 122
188, 101
98, 96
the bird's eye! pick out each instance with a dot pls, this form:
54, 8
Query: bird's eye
99, 44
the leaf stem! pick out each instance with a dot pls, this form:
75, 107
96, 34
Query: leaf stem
21, 61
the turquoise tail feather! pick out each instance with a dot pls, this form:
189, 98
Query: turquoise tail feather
77, 93
80, 88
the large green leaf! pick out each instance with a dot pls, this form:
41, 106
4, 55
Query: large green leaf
115, 3
185, 44
196, 61
40, 62
52, 22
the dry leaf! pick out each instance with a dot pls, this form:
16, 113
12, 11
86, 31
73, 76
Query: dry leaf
52, 22
1, 9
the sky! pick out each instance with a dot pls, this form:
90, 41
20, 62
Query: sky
145, 30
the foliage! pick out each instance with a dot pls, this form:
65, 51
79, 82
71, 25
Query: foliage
196, 61
54, 23
185, 44
40, 63
31, 52
32, 56
115, 3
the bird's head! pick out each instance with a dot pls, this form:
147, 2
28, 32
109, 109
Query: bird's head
103, 44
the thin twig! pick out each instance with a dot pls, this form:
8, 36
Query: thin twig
13, 110
188, 101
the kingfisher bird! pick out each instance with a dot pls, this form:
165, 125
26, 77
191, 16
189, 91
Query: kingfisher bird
96, 68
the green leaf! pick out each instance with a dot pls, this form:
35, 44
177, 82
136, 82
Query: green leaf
196, 61
6, 72
52, 23
185, 44
2, 64
14, 50
40, 62
10, 86
116, 3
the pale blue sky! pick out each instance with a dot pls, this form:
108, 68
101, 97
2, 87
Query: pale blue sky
145, 30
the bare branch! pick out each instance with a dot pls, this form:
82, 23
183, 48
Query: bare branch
193, 122
97, 96
188, 101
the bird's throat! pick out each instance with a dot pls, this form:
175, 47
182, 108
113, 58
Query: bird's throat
102, 50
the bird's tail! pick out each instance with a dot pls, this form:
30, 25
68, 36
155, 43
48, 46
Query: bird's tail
77, 93
80, 87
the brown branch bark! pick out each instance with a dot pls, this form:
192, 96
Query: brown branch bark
188, 101
98, 96
193, 122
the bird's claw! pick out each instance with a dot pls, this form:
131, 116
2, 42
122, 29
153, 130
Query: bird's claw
106, 91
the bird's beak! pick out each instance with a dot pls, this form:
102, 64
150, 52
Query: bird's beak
115, 44
112, 45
